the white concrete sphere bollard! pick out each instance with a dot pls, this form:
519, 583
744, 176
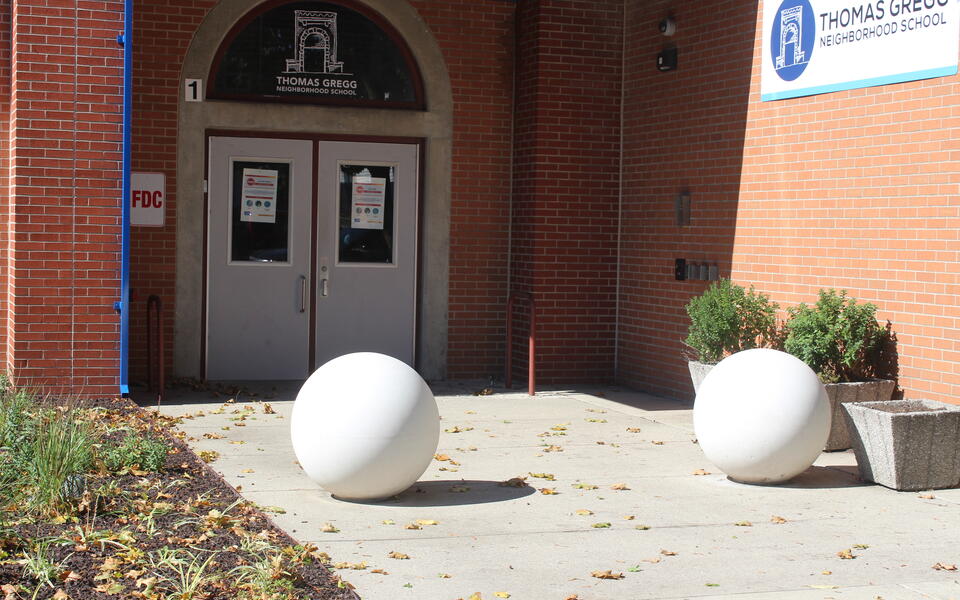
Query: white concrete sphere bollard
365, 426
762, 416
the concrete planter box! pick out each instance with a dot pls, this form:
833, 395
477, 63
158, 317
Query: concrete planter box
857, 391
906, 444
698, 371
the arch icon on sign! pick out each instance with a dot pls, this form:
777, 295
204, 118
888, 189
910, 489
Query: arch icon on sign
315, 50
792, 38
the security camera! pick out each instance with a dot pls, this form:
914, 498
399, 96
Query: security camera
668, 26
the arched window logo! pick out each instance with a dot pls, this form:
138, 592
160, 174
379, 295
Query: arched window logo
792, 38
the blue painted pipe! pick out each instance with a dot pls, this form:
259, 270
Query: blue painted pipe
123, 306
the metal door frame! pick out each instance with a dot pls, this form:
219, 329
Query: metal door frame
420, 143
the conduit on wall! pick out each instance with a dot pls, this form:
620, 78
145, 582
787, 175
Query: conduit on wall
122, 306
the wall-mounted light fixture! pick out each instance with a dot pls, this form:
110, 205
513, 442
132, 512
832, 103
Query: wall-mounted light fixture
667, 59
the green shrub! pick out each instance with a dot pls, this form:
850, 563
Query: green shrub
137, 451
838, 338
728, 318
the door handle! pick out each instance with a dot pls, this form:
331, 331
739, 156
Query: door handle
303, 293
323, 287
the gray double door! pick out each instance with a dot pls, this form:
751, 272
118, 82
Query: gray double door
311, 254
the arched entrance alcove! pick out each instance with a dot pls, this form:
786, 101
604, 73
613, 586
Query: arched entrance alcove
430, 127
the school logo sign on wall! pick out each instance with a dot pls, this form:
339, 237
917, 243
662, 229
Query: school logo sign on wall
318, 52
820, 46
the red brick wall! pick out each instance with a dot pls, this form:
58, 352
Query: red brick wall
476, 39
64, 174
567, 181
4, 170
164, 31
854, 190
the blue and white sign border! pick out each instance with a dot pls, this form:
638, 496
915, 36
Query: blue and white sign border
855, 44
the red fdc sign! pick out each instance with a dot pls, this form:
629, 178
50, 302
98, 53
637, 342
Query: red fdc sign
148, 199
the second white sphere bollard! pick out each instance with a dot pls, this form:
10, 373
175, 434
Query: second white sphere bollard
365, 426
762, 416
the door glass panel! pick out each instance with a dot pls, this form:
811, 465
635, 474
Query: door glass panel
261, 212
366, 213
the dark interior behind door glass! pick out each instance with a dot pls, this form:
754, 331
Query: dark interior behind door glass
261, 212
366, 213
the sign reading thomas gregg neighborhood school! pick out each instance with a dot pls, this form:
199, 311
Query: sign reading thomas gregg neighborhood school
819, 46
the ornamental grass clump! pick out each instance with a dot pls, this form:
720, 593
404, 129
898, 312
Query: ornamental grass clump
838, 338
728, 318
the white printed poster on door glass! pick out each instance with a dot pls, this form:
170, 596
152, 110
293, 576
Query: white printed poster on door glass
259, 196
368, 200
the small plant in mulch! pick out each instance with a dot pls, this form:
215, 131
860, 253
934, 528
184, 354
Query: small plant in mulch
98, 501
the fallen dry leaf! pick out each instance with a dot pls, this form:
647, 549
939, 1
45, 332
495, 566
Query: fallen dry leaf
608, 574
584, 486
412, 526
427, 522
701, 472
441, 457
657, 443
388, 522
517, 482
268, 410
379, 571
743, 524
651, 560
547, 476
777, 520
553, 448
927, 496
846, 554
619, 486
360, 566
501, 594
667, 552
549, 491
583, 512
603, 525
60, 595
642, 527
633, 430
458, 429
572, 597
826, 572
444, 575
329, 528
398, 556
475, 596
248, 471
459, 489
629, 517
944, 567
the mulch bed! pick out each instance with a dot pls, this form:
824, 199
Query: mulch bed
146, 535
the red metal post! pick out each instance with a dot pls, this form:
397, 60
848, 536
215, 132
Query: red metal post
531, 361
508, 378
154, 303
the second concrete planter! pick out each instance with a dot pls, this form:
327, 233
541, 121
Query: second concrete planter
858, 391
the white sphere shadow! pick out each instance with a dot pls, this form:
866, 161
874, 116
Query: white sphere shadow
365, 426
762, 416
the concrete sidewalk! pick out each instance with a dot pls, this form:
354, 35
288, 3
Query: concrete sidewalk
674, 533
